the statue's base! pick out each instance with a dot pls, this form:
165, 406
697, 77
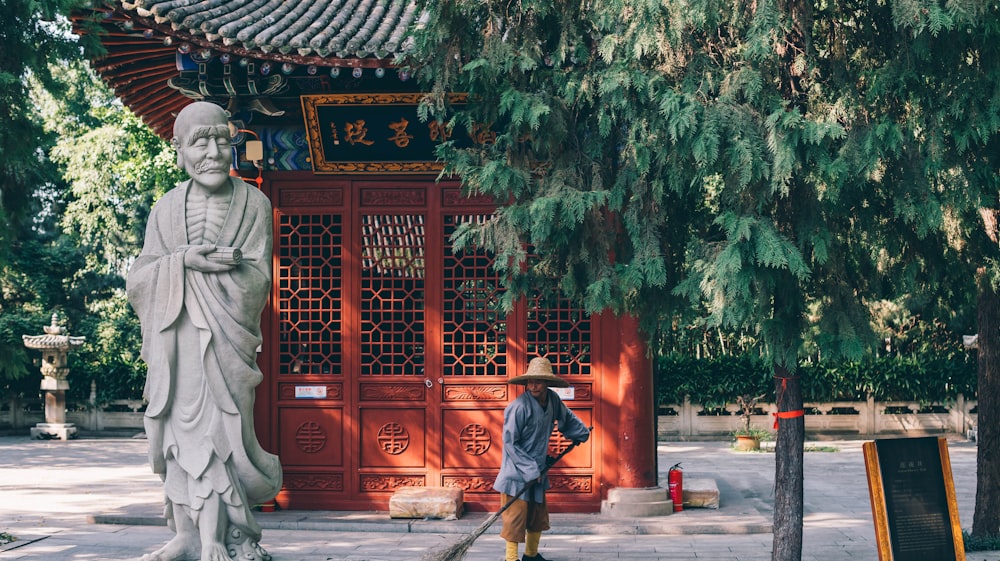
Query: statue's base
53, 431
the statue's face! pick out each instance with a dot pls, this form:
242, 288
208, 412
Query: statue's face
204, 150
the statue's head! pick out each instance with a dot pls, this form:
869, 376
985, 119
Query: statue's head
203, 142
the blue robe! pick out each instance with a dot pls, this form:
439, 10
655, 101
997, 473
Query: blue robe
526, 431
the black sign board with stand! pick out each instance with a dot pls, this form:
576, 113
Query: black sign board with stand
913, 500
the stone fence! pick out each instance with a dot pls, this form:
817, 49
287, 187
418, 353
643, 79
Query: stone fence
121, 414
837, 419
686, 421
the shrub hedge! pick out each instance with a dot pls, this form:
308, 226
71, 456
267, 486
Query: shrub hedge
717, 381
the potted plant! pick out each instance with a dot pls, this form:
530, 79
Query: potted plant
748, 437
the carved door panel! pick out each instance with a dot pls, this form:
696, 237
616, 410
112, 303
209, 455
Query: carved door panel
395, 389
311, 410
481, 346
474, 359
388, 353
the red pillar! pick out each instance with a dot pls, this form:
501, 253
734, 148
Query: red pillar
636, 437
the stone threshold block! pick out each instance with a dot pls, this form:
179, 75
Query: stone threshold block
701, 493
444, 503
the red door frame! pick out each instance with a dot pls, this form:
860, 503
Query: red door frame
585, 475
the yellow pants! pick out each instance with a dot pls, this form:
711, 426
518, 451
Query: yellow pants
523, 516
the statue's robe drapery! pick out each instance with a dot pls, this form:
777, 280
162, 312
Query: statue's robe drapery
200, 334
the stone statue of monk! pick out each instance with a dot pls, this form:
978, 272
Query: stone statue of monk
199, 287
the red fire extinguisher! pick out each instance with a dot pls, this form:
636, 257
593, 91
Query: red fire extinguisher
675, 484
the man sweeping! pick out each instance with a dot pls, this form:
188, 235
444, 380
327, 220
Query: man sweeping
527, 425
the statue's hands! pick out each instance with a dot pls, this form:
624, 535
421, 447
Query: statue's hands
195, 257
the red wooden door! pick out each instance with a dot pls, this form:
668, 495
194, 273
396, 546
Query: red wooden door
387, 354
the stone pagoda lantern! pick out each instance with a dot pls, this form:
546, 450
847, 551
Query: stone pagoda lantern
55, 347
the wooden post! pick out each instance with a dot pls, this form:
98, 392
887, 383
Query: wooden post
636, 418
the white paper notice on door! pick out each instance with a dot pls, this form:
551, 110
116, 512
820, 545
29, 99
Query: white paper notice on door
565, 394
310, 392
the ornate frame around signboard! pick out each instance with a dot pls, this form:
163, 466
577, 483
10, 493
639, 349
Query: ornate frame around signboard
311, 104
878, 491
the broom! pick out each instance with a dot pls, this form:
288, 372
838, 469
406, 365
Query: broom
456, 551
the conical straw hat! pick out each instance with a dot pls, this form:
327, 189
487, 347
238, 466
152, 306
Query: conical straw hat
540, 369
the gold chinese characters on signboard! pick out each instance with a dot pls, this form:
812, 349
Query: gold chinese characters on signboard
356, 133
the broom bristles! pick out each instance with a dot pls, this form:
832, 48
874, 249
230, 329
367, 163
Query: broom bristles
456, 551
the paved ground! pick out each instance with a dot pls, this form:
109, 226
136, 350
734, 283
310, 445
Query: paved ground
95, 499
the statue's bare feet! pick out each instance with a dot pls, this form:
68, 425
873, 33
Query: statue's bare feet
214, 552
177, 549
253, 550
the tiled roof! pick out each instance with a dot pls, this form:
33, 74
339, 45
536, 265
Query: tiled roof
307, 28
149, 44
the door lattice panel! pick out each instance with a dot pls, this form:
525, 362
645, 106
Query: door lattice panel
388, 353
392, 295
475, 328
560, 333
310, 249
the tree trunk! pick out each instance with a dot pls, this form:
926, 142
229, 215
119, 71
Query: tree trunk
788, 473
986, 521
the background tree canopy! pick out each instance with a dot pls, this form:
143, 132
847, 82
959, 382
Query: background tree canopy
781, 165
776, 169
77, 179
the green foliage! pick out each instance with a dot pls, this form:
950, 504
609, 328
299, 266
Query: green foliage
16, 374
33, 37
86, 172
980, 543
572, 154
34, 282
712, 382
919, 360
777, 166
34, 264
111, 357
116, 168
756, 433
717, 382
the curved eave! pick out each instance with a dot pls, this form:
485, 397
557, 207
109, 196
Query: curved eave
140, 55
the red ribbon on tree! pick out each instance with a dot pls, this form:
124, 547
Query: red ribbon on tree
786, 414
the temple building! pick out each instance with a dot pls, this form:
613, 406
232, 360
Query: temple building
385, 355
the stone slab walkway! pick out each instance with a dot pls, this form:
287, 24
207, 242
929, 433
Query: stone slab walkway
95, 499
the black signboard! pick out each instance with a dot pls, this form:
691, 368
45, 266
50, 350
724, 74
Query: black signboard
913, 500
381, 132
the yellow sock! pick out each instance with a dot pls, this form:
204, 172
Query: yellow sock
511, 552
531, 540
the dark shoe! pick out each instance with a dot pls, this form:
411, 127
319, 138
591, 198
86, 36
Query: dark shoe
533, 558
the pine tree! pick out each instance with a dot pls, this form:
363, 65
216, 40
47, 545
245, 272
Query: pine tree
777, 163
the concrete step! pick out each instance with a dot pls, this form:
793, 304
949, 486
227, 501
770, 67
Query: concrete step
642, 502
